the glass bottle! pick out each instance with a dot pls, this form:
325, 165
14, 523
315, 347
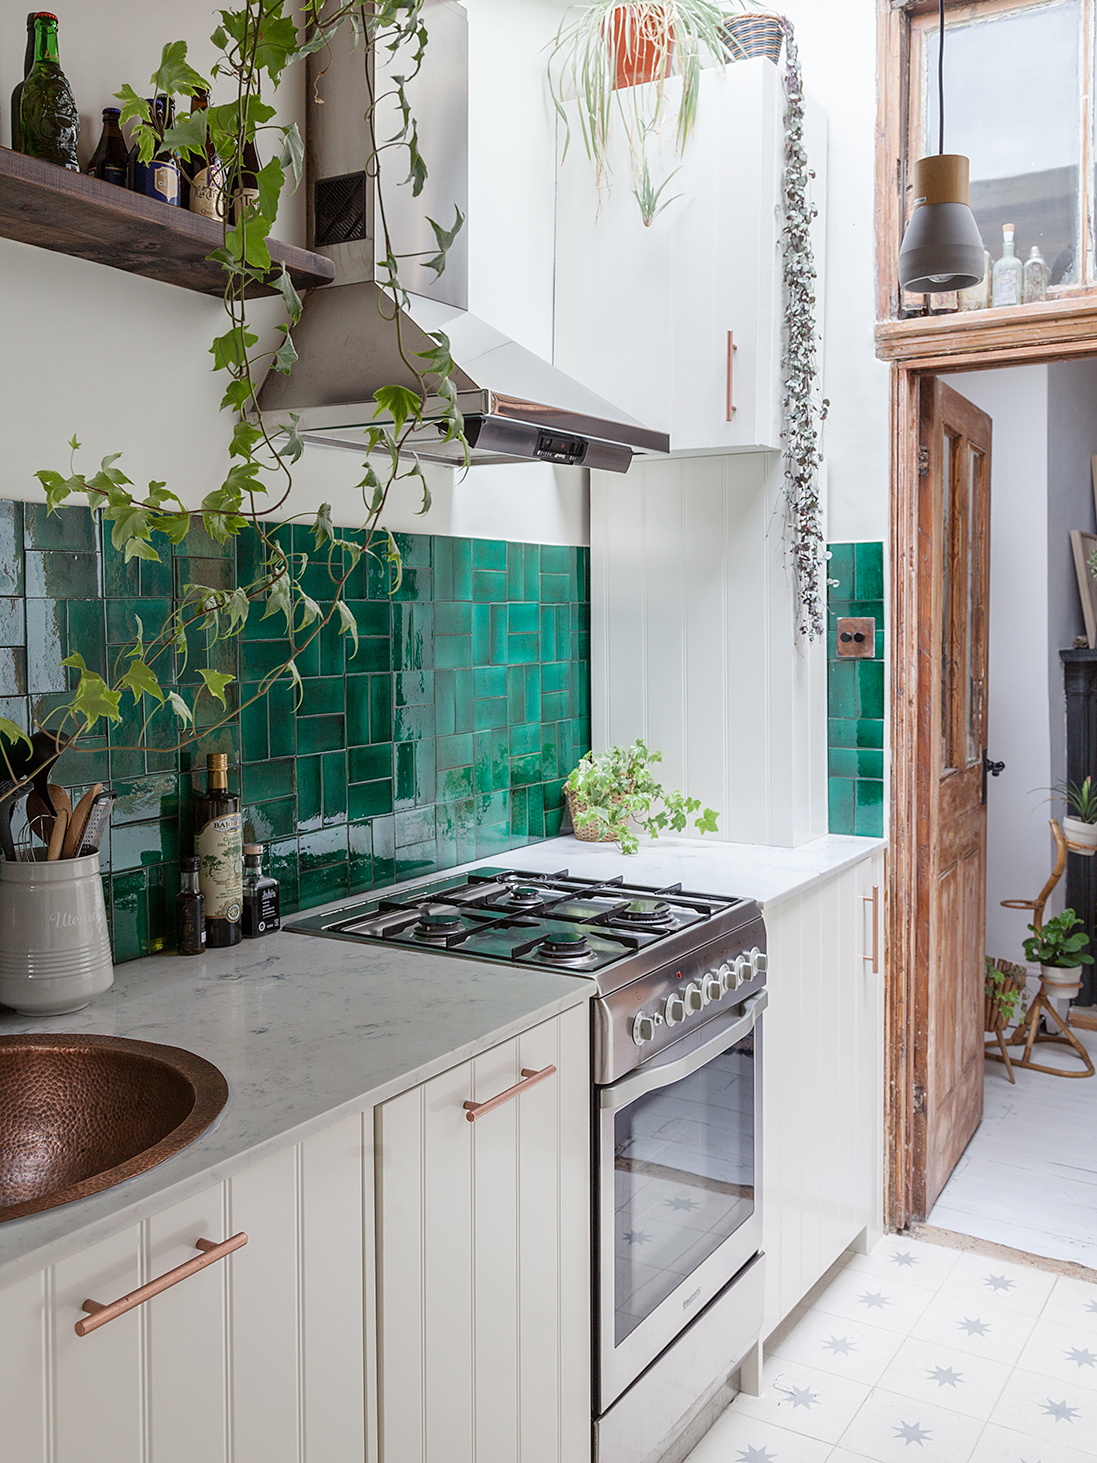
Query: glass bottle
158, 178
977, 296
190, 910
245, 183
48, 117
261, 898
17, 90
1007, 272
110, 160
217, 842
1035, 276
205, 177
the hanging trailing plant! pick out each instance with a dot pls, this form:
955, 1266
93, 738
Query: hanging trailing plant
256, 41
804, 410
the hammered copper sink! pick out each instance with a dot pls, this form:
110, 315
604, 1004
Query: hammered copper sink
79, 1114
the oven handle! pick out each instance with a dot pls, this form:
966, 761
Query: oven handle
647, 1079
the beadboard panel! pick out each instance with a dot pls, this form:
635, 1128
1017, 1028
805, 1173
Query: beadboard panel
693, 644
822, 1168
484, 1260
260, 1356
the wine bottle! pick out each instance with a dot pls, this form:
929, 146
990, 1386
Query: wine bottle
110, 160
17, 90
261, 896
217, 842
205, 177
48, 117
190, 910
1007, 272
158, 178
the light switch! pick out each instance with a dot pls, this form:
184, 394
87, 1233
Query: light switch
856, 638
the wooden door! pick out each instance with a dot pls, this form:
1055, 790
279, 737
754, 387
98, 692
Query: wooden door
484, 1259
954, 503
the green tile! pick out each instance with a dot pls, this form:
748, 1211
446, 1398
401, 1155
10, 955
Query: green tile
870, 764
455, 784
515, 575
129, 916
413, 636
12, 622
526, 737
453, 619
483, 616
281, 720
442, 563
322, 696
333, 780
491, 713
454, 751
367, 799
357, 694
380, 708
13, 671
553, 644
260, 657
482, 767
489, 586
840, 566
415, 585
461, 580
416, 861
47, 645
535, 812
869, 568
322, 885
444, 709
374, 620
497, 636
122, 580
869, 821
413, 774
212, 573
320, 734
523, 619
556, 706
263, 780
56, 574
137, 844
412, 723
253, 724
11, 547
310, 796
518, 813
557, 559
414, 827
199, 543
139, 800
360, 860
489, 681
489, 553
870, 688
555, 588
523, 649
282, 865
65, 528
452, 650
531, 571
548, 755
554, 819
322, 846
841, 804
525, 769
842, 689
842, 762
367, 764
264, 822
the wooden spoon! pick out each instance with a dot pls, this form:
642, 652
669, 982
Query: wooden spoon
39, 816
57, 837
77, 821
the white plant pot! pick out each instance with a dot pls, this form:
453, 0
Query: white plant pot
1062, 980
1082, 837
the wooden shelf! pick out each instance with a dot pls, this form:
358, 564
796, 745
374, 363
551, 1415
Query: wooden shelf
56, 209
1052, 330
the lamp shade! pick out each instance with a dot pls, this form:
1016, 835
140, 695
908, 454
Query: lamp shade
942, 247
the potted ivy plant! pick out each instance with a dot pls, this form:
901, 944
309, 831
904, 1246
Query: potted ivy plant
610, 790
605, 52
1080, 824
1004, 1000
1058, 950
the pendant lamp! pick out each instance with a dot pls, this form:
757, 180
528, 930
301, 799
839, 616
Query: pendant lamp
942, 247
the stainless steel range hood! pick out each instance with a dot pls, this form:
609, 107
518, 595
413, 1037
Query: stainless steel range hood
517, 407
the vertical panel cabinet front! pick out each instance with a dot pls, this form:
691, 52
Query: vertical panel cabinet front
259, 1358
484, 1259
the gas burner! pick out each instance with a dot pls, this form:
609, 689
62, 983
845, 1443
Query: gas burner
523, 897
438, 921
645, 914
567, 945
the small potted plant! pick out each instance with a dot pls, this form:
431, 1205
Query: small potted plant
610, 789
1080, 824
1059, 953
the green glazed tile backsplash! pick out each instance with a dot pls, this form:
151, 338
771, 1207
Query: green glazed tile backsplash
446, 738
855, 695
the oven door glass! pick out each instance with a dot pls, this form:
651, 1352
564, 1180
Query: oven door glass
684, 1179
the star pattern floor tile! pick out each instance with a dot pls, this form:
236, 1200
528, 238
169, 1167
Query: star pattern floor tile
940, 1357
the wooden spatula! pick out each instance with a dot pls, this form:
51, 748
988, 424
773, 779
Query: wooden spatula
57, 837
38, 814
76, 823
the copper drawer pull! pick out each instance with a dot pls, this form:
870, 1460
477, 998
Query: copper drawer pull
874, 900
732, 348
99, 1315
474, 1110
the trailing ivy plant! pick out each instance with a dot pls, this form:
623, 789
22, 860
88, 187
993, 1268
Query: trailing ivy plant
256, 41
804, 411
609, 790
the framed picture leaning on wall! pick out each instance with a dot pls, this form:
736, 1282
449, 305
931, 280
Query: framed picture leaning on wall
1084, 546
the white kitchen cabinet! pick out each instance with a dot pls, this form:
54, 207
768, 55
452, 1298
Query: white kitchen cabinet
822, 1166
483, 1268
261, 1356
646, 316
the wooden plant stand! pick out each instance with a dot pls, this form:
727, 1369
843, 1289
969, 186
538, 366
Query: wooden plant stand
992, 1022
1029, 1033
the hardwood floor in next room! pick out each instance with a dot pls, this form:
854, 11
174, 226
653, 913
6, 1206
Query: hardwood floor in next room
1028, 1178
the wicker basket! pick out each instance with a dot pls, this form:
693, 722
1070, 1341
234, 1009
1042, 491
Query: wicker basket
748, 36
585, 828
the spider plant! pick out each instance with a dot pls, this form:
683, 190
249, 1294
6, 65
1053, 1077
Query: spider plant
669, 37
1081, 799
649, 197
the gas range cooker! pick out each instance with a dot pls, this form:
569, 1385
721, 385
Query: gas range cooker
665, 960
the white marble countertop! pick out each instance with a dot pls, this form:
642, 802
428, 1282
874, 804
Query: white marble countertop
305, 1031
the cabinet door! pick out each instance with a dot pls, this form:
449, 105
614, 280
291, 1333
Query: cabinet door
484, 1254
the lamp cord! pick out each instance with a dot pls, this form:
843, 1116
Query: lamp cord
941, 80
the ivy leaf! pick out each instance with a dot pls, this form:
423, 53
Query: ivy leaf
348, 624
174, 76
323, 529
295, 681
285, 355
12, 733
444, 239
289, 295
237, 394
277, 43
310, 610
139, 548
216, 681
395, 560
417, 472
57, 488
295, 443
270, 179
133, 106
188, 136
141, 680
175, 525
417, 168
399, 403
235, 610
94, 698
180, 707
292, 155
244, 439
231, 349
278, 595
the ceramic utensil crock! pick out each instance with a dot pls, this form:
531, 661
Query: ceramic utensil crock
54, 946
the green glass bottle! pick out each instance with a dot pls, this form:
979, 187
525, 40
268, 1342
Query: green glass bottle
28, 62
48, 117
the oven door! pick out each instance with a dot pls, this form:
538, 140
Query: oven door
679, 1145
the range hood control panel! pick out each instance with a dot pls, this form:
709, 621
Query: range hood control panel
556, 447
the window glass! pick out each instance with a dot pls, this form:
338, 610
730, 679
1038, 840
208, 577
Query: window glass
1013, 106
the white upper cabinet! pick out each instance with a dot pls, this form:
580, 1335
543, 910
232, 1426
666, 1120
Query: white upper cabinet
647, 316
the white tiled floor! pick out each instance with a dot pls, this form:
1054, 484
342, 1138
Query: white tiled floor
920, 1352
1028, 1179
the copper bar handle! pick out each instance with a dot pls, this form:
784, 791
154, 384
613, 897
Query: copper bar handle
531, 1077
874, 900
732, 348
99, 1315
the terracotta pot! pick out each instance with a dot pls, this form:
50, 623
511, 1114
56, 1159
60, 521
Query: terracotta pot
640, 52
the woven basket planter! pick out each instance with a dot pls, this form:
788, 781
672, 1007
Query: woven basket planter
748, 36
585, 828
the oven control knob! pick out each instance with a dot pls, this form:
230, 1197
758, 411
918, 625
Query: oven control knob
727, 977
712, 987
674, 1008
695, 998
759, 961
643, 1028
741, 971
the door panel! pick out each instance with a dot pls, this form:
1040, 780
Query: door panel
948, 1058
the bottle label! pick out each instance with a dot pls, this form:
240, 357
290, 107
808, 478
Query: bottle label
219, 846
116, 176
207, 193
157, 180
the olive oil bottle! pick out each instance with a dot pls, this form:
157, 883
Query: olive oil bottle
218, 841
